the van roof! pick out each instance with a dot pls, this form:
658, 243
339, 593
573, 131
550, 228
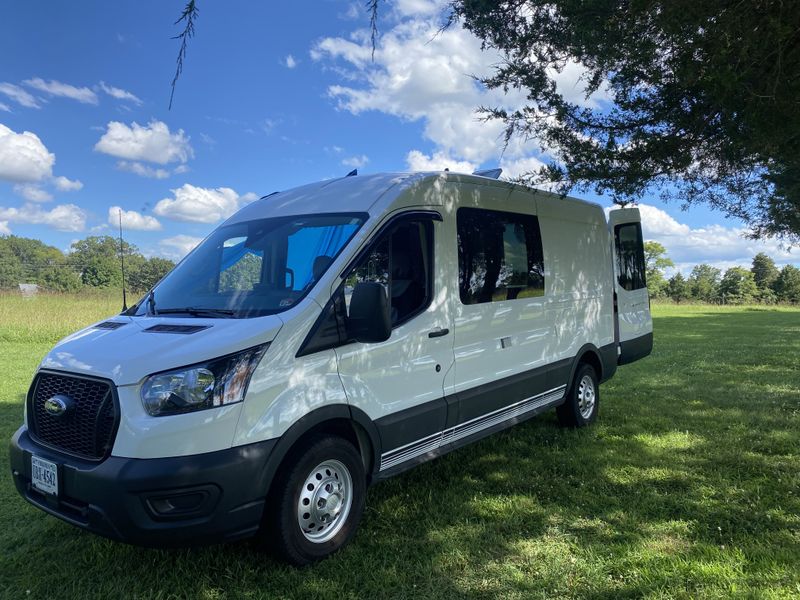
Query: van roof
353, 194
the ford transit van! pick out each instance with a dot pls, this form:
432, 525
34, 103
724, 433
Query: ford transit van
325, 338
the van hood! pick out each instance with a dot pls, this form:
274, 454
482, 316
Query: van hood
141, 346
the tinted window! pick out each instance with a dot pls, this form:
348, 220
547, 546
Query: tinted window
499, 256
630, 256
401, 261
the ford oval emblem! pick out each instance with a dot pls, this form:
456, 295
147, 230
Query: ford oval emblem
57, 406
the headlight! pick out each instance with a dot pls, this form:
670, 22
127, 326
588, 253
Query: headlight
205, 385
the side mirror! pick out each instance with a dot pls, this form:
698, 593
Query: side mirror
369, 319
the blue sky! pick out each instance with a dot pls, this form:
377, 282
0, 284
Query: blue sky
272, 95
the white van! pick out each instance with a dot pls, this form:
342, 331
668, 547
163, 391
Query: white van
325, 338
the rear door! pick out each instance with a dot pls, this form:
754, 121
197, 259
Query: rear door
633, 321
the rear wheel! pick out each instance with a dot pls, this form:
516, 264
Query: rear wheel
317, 501
583, 399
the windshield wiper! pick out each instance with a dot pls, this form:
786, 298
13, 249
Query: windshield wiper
198, 311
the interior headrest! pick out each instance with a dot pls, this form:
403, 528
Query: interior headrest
321, 264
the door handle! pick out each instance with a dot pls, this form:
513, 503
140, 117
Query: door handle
438, 333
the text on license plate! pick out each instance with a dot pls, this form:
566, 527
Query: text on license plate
44, 475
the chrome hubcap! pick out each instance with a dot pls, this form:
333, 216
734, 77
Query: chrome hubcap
586, 396
325, 501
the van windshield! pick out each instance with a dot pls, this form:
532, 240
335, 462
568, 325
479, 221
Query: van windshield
254, 268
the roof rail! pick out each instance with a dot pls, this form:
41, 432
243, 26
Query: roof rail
490, 173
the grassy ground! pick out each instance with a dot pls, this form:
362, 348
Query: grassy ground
688, 486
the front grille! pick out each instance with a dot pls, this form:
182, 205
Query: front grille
88, 428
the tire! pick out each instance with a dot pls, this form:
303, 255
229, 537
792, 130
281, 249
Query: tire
583, 399
301, 527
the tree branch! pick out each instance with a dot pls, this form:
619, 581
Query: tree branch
189, 14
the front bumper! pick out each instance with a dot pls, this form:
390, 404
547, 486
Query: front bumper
157, 502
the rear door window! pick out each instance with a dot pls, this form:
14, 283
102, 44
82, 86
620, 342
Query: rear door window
630, 256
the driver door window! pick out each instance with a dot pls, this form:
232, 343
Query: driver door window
401, 262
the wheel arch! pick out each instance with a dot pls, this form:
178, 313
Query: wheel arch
588, 354
348, 422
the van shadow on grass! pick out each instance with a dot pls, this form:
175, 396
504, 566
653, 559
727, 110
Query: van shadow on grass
687, 485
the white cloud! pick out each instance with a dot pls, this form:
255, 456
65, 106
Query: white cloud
132, 220
119, 93
421, 73
407, 8
717, 245
520, 166
354, 11
141, 170
67, 185
178, 246
152, 143
439, 161
267, 125
4, 229
290, 62
19, 95
356, 162
64, 217
32, 192
23, 156
180, 169
201, 205
5, 107
64, 90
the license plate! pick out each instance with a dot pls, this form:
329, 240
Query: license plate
44, 475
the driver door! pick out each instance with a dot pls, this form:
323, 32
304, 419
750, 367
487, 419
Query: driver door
399, 383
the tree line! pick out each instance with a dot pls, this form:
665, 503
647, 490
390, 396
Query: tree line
762, 283
93, 262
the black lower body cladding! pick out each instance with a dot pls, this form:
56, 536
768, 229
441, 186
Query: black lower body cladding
636, 348
157, 502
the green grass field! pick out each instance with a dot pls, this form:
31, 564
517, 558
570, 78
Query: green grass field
688, 486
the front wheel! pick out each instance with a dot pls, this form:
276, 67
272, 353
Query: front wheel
583, 399
317, 501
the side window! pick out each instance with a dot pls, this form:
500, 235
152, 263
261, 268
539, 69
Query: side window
240, 266
630, 256
499, 256
401, 262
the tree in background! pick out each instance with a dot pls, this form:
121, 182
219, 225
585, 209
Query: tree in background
698, 97
93, 262
24, 260
96, 259
11, 272
678, 288
737, 286
704, 283
656, 261
149, 273
787, 286
765, 274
